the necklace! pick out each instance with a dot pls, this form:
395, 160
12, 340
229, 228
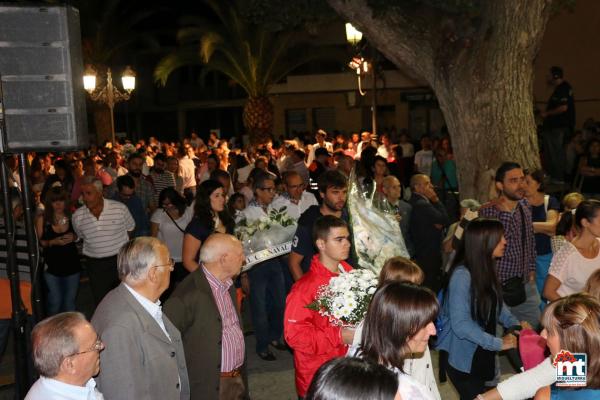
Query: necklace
61, 221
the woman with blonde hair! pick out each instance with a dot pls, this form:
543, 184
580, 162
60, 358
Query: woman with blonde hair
593, 285
572, 324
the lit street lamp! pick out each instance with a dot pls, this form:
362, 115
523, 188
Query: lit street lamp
109, 94
361, 66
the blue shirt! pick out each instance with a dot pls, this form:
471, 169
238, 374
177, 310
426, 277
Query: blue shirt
463, 333
51, 389
138, 212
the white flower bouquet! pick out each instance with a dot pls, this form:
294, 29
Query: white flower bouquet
376, 232
345, 299
266, 237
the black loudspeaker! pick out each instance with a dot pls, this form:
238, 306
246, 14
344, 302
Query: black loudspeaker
41, 79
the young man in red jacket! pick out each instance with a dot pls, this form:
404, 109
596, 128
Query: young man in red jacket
312, 337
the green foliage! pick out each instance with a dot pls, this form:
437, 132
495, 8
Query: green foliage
248, 53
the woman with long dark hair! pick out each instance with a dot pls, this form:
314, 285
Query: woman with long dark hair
544, 214
168, 223
472, 307
396, 329
210, 215
57, 238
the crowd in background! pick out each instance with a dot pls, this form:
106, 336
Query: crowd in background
184, 192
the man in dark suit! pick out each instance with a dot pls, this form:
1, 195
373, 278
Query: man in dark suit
428, 219
202, 307
143, 358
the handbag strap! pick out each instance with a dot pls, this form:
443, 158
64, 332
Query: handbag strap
176, 224
523, 231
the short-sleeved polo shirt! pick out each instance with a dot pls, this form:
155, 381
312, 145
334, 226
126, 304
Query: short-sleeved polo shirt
103, 236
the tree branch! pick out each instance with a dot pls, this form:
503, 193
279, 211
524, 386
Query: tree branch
399, 36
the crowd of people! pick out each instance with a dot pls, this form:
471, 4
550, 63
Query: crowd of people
153, 223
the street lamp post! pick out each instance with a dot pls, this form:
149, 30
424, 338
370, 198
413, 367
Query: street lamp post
361, 66
109, 94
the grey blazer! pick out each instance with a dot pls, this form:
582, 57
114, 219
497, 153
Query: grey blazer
139, 361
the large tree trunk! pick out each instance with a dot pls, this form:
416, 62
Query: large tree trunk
258, 119
480, 70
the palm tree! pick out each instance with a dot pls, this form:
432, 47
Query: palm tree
250, 55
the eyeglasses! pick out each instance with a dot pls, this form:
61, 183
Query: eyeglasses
268, 189
171, 265
294, 187
97, 346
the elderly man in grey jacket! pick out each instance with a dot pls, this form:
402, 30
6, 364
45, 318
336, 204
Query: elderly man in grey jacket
144, 356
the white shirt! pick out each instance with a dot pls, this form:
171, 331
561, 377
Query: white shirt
253, 211
295, 210
423, 161
572, 269
311, 154
361, 146
169, 233
243, 173
103, 236
526, 384
408, 150
419, 376
51, 389
154, 309
187, 171
383, 151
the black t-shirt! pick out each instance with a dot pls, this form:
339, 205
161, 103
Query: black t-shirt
303, 241
538, 214
562, 95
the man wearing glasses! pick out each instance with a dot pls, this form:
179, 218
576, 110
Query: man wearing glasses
144, 356
295, 198
66, 353
267, 284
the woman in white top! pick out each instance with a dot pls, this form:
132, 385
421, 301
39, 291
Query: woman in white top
400, 269
168, 224
576, 261
397, 327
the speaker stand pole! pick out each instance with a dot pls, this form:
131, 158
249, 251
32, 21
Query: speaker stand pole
32, 242
19, 315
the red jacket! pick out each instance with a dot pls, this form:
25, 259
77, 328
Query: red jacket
312, 337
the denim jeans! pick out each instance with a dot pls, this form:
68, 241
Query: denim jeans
62, 291
267, 302
542, 265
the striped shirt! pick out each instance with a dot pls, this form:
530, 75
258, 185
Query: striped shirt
232, 338
161, 181
21, 250
104, 236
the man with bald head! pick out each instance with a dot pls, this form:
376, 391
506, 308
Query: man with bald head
428, 219
202, 308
